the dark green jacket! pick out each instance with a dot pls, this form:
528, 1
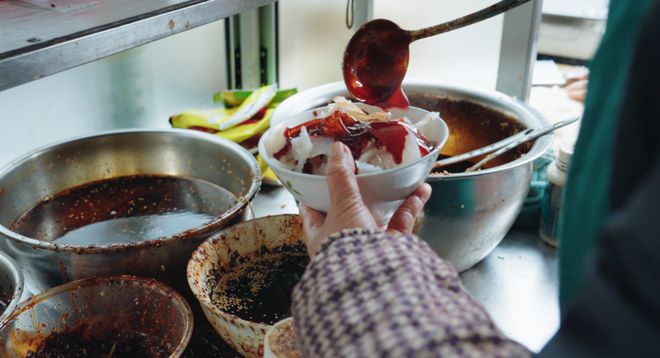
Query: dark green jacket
587, 204
613, 269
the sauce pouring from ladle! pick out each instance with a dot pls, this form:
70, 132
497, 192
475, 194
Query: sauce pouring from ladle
376, 58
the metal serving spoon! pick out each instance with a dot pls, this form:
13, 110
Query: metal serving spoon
502, 146
376, 58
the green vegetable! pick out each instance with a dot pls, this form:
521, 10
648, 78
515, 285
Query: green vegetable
234, 98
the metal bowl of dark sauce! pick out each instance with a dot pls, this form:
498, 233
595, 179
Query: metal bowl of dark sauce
468, 214
125, 202
243, 278
119, 316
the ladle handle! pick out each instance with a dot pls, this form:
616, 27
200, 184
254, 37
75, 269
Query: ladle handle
470, 19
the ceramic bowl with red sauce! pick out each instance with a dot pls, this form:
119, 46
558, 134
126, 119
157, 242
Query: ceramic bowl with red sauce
382, 190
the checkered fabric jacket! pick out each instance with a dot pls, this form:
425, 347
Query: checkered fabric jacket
371, 294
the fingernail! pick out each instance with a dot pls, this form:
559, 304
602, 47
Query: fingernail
349, 161
342, 153
337, 150
426, 198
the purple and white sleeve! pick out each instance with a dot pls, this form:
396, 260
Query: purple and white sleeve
372, 294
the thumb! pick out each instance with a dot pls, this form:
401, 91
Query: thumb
312, 219
404, 218
342, 183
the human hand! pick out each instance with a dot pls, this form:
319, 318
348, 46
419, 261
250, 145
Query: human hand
347, 209
576, 87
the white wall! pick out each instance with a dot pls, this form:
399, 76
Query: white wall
468, 56
136, 88
313, 36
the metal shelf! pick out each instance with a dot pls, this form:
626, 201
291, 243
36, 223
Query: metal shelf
40, 37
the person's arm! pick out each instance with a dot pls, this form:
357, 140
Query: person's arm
372, 293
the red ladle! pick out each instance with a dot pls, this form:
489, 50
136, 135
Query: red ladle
376, 58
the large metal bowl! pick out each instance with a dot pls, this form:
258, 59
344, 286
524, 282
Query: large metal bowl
50, 170
468, 213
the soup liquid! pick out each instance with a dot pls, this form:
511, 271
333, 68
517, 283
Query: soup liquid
124, 210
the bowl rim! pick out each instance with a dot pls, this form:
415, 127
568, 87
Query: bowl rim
16, 275
293, 105
195, 283
232, 212
148, 283
271, 331
272, 162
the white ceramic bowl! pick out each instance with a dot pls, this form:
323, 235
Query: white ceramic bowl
381, 191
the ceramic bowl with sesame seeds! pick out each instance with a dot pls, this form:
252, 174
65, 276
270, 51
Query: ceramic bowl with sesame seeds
243, 278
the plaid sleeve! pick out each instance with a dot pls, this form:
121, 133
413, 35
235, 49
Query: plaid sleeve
370, 294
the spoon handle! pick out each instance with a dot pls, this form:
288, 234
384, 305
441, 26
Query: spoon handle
529, 136
483, 150
470, 19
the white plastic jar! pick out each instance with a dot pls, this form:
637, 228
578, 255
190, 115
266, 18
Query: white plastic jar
554, 195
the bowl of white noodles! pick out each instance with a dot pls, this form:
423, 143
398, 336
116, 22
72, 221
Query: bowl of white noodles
394, 152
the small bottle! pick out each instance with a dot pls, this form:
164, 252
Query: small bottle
554, 196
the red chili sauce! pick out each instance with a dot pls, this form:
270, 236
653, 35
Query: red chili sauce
375, 62
356, 135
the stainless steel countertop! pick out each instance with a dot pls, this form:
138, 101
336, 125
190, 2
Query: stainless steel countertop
517, 282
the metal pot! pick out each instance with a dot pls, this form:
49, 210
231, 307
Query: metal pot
47, 171
11, 286
468, 213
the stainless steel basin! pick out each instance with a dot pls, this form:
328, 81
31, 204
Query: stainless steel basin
468, 213
47, 171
